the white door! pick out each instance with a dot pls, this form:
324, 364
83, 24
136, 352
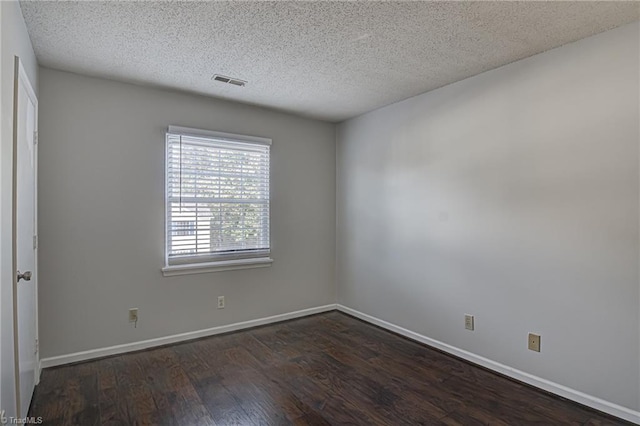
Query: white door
26, 302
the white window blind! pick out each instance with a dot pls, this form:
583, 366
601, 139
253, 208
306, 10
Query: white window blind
217, 196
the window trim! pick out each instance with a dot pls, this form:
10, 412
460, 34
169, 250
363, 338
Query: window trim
217, 266
213, 262
229, 137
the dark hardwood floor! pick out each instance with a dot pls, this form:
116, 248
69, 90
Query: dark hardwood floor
327, 369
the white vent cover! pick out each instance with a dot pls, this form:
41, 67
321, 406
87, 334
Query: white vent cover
229, 80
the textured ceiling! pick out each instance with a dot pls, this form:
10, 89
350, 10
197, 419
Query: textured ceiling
327, 60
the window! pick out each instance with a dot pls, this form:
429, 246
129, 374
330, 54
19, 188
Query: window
217, 201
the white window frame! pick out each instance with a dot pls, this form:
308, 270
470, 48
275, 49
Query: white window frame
188, 264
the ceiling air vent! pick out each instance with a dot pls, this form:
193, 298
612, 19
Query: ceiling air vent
229, 80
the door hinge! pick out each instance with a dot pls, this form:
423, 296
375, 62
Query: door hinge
35, 137
35, 242
37, 346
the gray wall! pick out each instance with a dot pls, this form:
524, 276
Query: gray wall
102, 215
512, 196
15, 41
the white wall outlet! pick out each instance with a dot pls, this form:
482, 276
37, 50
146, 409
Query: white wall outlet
133, 315
534, 342
220, 302
468, 322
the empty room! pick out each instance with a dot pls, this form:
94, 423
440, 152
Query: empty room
319, 213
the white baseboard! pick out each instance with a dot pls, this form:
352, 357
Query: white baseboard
160, 341
549, 386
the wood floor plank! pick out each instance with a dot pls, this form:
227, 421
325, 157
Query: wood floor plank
112, 411
186, 405
326, 369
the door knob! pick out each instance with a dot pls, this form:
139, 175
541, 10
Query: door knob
26, 276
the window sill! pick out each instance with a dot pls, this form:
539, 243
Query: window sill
222, 265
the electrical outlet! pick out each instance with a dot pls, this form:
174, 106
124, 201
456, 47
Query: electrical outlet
220, 302
534, 342
133, 315
468, 322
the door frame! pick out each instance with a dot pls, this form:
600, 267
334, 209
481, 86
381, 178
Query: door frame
21, 77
